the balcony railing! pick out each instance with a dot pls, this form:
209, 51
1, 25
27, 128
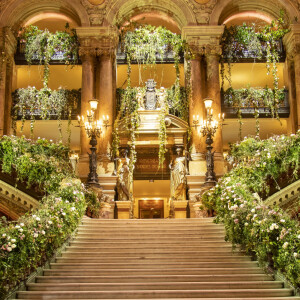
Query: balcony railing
248, 110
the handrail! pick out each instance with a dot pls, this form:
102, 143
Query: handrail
285, 196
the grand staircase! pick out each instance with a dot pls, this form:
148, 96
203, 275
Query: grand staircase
153, 259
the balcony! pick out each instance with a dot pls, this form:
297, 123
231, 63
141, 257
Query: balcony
249, 105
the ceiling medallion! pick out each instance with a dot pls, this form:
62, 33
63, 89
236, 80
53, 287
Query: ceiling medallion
202, 1
96, 2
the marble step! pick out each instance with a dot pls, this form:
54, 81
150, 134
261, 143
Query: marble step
146, 294
153, 278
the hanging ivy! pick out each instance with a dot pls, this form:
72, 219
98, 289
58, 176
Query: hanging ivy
255, 42
45, 103
146, 45
253, 97
42, 45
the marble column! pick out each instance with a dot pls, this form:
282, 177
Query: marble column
196, 103
293, 120
297, 84
213, 92
2, 95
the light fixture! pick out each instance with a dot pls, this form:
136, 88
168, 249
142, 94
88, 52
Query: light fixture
93, 104
208, 103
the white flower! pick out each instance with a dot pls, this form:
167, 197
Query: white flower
295, 254
246, 224
17, 226
50, 222
63, 213
13, 246
35, 235
13, 240
4, 235
21, 224
72, 208
8, 249
282, 220
284, 246
43, 232
38, 219
253, 210
21, 229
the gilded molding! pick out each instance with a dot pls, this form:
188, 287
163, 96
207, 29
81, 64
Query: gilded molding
16, 199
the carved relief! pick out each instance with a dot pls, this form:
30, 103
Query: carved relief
96, 10
202, 9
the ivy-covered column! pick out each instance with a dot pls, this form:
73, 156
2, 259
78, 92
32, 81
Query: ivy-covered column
292, 43
7, 49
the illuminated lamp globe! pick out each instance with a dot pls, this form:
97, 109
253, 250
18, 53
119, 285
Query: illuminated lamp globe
208, 103
93, 104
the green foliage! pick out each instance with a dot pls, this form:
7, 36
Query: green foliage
30, 241
147, 44
29, 102
41, 45
256, 98
237, 198
256, 42
42, 164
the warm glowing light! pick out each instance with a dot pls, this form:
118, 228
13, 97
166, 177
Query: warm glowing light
208, 103
44, 16
249, 14
93, 104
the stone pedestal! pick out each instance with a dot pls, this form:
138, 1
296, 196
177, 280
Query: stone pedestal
180, 209
107, 210
123, 208
108, 185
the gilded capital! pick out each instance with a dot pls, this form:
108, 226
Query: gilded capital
203, 40
292, 41
97, 41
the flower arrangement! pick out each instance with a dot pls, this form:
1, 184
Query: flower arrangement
270, 234
31, 240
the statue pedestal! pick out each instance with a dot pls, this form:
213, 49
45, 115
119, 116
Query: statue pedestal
123, 208
107, 210
180, 209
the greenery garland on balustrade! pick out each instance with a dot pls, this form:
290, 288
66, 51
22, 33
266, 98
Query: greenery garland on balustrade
238, 201
30, 102
42, 45
147, 44
253, 97
255, 42
28, 242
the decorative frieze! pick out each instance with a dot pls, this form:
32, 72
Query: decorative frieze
96, 10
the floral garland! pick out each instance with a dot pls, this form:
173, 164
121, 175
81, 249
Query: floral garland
238, 201
33, 239
42, 45
28, 102
145, 45
256, 98
237, 40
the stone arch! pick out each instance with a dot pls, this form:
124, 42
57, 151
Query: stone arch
178, 10
271, 8
18, 12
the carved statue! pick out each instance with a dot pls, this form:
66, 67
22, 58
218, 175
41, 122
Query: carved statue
178, 176
123, 183
162, 95
140, 100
